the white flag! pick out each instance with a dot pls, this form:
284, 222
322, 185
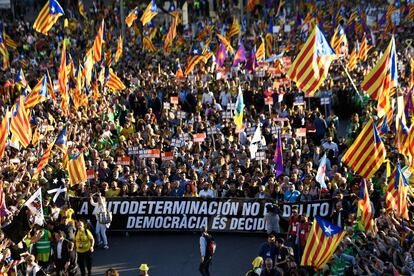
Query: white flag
34, 203
257, 137
253, 149
320, 176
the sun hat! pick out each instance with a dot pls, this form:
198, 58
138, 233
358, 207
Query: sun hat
143, 267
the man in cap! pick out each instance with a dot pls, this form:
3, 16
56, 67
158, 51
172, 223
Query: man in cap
143, 270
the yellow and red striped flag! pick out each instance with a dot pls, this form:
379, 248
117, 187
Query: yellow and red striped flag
5, 53
402, 137
365, 214
132, 16
311, 66
97, 44
339, 40
261, 51
35, 137
234, 29
410, 15
323, 239
38, 94
401, 185
148, 45
119, 46
391, 193
108, 57
352, 62
9, 42
396, 195
43, 161
114, 82
48, 16
172, 33
411, 140
364, 48
149, 13
4, 133
382, 79
77, 169
195, 57
63, 80
366, 155
19, 124
226, 43
269, 44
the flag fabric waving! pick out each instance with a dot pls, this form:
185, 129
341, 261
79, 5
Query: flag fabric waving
77, 169
339, 39
320, 176
324, 237
261, 51
38, 94
19, 124
119, 46
132, 16
81, 8
97, 44
114, 82
48, 16
195, 57
148, 45
4, 133
365, 214
34, 203
63, 80
352, 62
382, 79
278, 157
4, 52
401, 199
392, 193
172, 33
366, 155
221, 55
240, 55
43, 161
234, 29
225, 42
238, 116
311, 66
9, 41
149, 13
20, 79
364, 48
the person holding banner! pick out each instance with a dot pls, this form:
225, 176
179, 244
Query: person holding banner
103, 219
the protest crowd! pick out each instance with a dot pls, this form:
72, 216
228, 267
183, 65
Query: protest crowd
210, 105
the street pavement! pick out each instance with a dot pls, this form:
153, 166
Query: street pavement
176, 254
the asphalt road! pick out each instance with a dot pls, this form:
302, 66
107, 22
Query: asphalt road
176, 254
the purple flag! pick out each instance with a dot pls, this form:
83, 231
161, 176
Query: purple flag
221, 55
251, 61
278, 158
240, 55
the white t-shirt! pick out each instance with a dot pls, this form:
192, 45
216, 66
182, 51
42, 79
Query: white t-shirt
208, 193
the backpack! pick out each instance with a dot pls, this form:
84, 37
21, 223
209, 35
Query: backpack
211, 245
105, 217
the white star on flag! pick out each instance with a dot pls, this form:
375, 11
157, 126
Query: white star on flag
328, 230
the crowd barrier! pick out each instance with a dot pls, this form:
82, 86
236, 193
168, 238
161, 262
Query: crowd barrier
190, 214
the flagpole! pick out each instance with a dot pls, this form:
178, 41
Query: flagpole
352, 82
